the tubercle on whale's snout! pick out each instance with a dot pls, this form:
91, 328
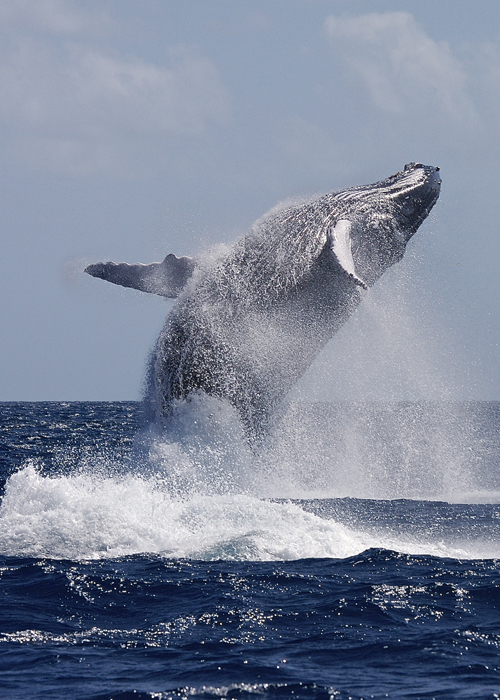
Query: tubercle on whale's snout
430, 170
427, 182
433, 173
424, 197
414, 166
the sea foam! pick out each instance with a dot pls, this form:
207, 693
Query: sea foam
84, 516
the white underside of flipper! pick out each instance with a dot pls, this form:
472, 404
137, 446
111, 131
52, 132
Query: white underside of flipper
340, 244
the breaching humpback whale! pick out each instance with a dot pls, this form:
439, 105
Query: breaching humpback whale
247, 326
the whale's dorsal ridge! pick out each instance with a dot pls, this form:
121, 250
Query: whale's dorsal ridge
166, 278
340, 244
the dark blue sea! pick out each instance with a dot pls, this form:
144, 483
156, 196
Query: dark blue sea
355, 555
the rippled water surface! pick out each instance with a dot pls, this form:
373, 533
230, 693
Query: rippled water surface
275, 578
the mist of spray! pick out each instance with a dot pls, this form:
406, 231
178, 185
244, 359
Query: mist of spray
377, 416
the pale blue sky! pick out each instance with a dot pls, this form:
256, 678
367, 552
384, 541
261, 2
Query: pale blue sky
132, 129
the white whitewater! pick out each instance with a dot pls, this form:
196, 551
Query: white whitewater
90, 517
203, 494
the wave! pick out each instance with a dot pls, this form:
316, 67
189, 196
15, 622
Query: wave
85, 516
201, 492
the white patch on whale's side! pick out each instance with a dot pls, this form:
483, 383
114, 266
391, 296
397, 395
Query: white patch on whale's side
340, 239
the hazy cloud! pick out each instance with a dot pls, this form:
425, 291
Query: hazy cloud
487, 83
55, 16
405, 71
76, 107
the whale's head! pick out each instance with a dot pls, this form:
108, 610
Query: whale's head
413, 193
384, 216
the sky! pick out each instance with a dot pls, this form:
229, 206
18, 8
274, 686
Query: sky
129, 130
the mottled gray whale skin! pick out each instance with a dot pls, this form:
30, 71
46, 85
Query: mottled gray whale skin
246, 327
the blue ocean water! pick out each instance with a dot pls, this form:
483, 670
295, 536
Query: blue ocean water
357, 556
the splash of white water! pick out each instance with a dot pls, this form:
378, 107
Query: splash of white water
88, 517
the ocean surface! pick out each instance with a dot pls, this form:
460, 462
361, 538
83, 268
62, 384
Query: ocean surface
355, 555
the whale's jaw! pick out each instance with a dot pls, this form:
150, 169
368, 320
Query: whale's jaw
408, 196
414, 192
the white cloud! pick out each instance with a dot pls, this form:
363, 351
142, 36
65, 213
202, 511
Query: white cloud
405, 71
74, 106
487, 83
80, 90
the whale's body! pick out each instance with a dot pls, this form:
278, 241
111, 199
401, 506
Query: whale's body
246, 328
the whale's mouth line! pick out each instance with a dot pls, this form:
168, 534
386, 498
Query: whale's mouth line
408, 186
402, 184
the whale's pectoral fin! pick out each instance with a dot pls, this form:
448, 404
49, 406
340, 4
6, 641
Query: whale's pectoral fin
166, 278
339, 238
